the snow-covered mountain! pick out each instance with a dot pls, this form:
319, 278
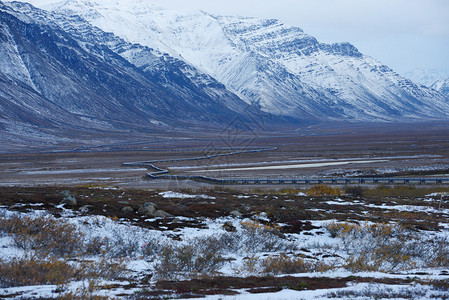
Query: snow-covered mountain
426, 77
442, 86
104, 67
58, 72
268, 63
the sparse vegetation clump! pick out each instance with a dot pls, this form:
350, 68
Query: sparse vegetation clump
374, 291
45, 235
34, 270
323, 190
289, 191
283, 264
356, 191
198, 257
206, 255
258, 237
402, 191
388, 247
55, 252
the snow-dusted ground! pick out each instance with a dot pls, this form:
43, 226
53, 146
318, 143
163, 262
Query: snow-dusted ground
304, 161
313, 244
183, 196
80, 171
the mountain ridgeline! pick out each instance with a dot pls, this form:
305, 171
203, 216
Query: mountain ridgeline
91, 65
442, 86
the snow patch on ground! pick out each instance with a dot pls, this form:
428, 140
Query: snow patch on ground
184, 196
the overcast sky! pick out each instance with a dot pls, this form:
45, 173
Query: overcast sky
403, 34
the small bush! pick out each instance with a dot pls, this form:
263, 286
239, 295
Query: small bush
229, 242
360, 263
388, 247
105, 268
192, 259
251, 238
440, 254
378, 291
250, 266
356, 191
288, 191
44, 234
323, 190
121, 245
150, 248
258, 237
378, 230
284, 264
96, 246
337, 229
84, 292
34, 271
402, 191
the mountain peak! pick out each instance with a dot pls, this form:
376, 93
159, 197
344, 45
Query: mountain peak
442, 86
227, 61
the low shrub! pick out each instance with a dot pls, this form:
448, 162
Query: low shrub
205, 256
356, 191
121, 245
84, 292
378, 291
439, 257
195, 258
104, 268
258, 237
338, 229
44, 234
251, 238
360, 263
323, 190
288, 191
284, 264
250, 266
377, 230
388, 247
402, 191
33, 271
96, 246
150, 247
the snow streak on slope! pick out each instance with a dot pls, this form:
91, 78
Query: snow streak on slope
442, 86
267, 63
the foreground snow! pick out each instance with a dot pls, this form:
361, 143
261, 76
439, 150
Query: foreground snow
315, 244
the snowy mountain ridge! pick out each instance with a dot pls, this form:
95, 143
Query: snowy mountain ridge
151, 61
103, 66
268, 63
60, 76
426, 77
441, 85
